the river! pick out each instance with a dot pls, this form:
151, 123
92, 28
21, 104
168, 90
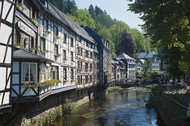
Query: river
122, 108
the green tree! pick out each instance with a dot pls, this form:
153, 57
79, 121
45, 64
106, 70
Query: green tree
98, 10
92, 11
68, 6
83, 18
168, 24
127, 44
110, 29
146, 69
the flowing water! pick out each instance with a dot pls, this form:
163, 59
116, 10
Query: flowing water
122, 108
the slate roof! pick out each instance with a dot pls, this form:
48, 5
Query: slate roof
114, 62
94, 35
60, 16
117, 59
145, 55
142, 61
23, 54
124, 56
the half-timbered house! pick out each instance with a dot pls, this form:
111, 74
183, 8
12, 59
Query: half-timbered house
45, 58
7, 11
28, 84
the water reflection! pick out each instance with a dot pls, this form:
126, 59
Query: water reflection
124, 108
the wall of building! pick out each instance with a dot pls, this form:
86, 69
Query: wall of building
27, 113
6, 37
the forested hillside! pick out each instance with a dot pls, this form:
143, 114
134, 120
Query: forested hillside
121, 37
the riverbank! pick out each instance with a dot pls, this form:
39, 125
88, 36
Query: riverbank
50, 115
118, 107
174, 108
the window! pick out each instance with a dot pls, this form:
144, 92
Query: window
45, 24
26, 42
90, 78
65, 38
72, 74
91, 55
78, 64
78, 49
42, 44
64, 54
81, 79
86, 53
64, 73
72, 58
86, 66
91, 67
81, 65
34, 13
81, 51
55, 49
55, 30
87, 43
29, 72
54, 72
86, 79
72, 42
43, 72
78, 79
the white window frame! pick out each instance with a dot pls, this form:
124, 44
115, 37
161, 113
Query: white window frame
22, 81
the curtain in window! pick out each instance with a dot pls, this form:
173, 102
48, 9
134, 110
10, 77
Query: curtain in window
25, 72
33, 72
29, 72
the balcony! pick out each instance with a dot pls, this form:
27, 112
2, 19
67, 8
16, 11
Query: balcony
33, 92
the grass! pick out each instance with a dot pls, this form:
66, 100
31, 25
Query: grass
69, 105
46, 118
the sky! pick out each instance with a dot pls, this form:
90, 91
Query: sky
116, 9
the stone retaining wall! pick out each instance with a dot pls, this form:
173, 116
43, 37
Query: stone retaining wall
48, 109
